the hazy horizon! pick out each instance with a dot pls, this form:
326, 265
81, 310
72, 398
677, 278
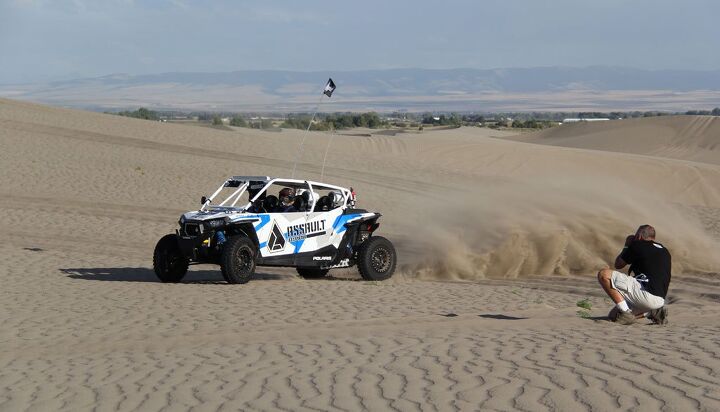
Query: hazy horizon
330, 72
595, 88
43, 40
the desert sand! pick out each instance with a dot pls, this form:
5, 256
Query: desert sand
498, 237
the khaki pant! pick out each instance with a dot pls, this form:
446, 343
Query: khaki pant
638, 299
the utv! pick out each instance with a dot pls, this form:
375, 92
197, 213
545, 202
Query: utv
309, 225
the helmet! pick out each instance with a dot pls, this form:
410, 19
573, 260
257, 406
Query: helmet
287, 195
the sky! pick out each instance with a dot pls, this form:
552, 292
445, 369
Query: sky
43, 40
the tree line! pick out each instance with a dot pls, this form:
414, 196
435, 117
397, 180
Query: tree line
141, 113
372, 120
336, 121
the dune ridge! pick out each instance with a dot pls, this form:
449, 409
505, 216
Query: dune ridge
693, 138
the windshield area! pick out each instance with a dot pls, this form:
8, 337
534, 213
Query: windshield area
233, 194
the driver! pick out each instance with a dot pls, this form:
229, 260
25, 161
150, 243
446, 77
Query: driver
287, 197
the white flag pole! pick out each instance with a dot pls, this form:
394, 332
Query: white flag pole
301, 149
327, 149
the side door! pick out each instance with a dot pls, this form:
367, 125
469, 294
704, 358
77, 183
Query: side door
325, 229
281, 234
278, 235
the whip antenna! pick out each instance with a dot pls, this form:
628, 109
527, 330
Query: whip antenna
327, 149
327, 91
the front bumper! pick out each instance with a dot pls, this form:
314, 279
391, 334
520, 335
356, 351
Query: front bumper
200, 248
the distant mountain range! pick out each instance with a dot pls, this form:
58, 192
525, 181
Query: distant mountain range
544, 88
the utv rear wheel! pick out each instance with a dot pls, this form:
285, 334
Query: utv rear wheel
238, 260
312, 273
168, 260
376, 258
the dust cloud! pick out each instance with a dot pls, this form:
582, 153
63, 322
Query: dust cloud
516, 229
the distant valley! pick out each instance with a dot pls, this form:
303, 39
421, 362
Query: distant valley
416, 90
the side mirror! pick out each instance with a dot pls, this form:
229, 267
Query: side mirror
203, 200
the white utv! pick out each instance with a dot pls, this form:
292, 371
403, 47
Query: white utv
311, 226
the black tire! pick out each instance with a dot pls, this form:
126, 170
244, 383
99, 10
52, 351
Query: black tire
312, 273
238, 260
376, 258
169, 263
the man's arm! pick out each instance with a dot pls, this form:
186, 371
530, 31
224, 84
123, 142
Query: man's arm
619, 262
620, 259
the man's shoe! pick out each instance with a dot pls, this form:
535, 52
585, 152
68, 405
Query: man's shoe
659, 316
625, 318
613, 313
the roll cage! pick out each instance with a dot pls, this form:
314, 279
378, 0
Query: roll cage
257, 186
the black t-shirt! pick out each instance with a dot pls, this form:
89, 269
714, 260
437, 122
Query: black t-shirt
650, 263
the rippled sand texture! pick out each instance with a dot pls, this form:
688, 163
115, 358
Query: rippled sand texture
85, 325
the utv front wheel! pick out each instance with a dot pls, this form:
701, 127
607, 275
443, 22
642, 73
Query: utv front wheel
312, 273
238, 260
376, 258
168, 260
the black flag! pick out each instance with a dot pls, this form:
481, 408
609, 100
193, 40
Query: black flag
329, 88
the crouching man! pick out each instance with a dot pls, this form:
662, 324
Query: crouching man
643, 293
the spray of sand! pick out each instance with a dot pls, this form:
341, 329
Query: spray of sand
516, 229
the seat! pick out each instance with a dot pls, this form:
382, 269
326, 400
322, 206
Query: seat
323, 204
271, 203
258, 206
300, 203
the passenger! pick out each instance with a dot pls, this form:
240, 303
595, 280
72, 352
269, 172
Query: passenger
287, 197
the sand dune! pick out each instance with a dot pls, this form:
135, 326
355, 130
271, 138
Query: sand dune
694, 138
84, 324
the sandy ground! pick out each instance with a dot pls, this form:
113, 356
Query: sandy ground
498, 241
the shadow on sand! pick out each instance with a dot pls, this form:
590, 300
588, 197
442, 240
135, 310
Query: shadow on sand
499, 316
598, 318
129, 274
